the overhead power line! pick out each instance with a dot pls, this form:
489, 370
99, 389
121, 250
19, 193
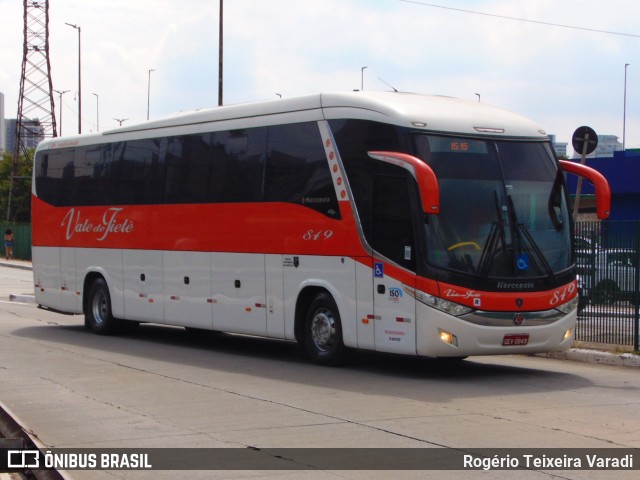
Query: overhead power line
538, 22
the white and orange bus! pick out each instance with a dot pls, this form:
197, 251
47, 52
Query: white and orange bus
419, 225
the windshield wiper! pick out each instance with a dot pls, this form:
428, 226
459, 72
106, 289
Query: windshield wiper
497, 231
522, 233
534, 246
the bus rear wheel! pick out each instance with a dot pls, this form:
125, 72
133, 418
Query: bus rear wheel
98, 316
323, 331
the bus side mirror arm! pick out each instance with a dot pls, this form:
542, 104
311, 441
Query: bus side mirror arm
421, 172
603, 192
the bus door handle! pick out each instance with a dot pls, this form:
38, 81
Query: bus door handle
381, 289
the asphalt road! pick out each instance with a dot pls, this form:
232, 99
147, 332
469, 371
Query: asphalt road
165, 388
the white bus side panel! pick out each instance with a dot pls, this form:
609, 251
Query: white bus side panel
108, 263
337, 275
46, 274
143, 285
366, 322
395, 313
55, 279
275, 295
187, 289
239, 303
70, 301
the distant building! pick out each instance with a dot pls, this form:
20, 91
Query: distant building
32, 136
3, 129
607, 145
559, 147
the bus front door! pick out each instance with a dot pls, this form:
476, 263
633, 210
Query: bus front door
393, 263
395, 310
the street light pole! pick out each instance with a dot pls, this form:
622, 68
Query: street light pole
624, 111
362, 79
60, 93
478, 96
97, 112
79, 79
149, 92
220, 54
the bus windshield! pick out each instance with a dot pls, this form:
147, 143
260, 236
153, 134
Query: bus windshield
503, 208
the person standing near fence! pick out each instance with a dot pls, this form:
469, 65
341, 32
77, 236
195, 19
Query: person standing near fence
8, 243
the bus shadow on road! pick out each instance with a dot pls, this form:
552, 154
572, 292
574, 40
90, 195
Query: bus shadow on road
411, 377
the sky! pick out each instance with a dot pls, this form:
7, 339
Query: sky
560, 77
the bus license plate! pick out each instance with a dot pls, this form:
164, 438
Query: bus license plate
515, 340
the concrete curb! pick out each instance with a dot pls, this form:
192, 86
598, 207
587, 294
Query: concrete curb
22, 298
596, 356
21, 264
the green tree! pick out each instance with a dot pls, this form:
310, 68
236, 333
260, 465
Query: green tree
21, 195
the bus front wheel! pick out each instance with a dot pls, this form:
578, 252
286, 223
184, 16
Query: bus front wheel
323, 331
98, 316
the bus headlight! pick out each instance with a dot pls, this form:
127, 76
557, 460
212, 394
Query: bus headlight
443, 305
570, 306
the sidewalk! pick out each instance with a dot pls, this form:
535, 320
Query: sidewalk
22, 264
602, 357
589, 355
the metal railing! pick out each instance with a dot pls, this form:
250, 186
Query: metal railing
609, 271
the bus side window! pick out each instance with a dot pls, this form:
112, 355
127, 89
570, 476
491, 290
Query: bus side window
90, 176
187, 169
42, 180
54, 177
238, 163
136, 172
297, 170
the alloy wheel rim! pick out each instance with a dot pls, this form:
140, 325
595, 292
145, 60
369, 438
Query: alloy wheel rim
99, 308
323, 330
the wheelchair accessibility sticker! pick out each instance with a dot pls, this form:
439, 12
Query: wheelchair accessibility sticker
378, 270
522, 262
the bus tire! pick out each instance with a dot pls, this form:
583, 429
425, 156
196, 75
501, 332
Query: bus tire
98, 317
323, 331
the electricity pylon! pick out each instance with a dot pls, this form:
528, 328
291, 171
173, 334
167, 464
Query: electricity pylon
36, 112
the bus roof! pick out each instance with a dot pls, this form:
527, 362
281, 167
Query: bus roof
427, 112
432, 112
